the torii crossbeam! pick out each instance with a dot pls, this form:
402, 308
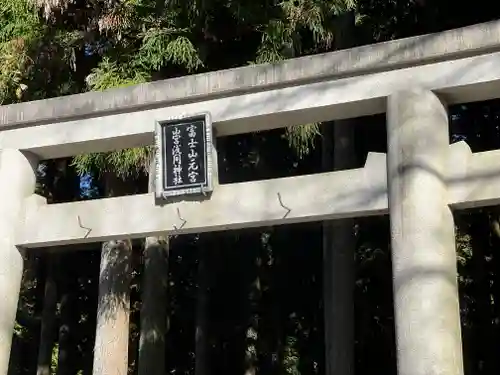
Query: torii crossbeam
472, 179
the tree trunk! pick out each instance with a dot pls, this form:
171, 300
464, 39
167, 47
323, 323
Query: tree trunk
254, 298
339, 241
111, 342
495, 247
480, 232
135, 312
47, 334
66, 360
201, 339
66, 364
113, 311
65, 187
154, 301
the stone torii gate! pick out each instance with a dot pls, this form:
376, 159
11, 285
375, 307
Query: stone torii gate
420, 181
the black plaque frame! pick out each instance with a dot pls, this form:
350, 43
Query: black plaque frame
161, 145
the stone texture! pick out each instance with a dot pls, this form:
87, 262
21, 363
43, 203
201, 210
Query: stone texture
473, 181
428, 334
471, 79
17, 176
357, 192
472, 40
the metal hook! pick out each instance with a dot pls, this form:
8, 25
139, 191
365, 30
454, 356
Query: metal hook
81, 226
288, 210
182, 219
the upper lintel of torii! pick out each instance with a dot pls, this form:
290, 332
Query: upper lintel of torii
460, 65
325, 196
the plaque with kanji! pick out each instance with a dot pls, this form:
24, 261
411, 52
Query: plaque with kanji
183, 156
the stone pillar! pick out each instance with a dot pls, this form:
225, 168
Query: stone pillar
17, 182
426, 308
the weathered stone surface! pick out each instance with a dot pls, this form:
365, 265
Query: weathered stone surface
17, 182
426, 307
471, 79
232, 206
458, 43
473, 180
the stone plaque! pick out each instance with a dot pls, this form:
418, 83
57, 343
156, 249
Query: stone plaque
184, 156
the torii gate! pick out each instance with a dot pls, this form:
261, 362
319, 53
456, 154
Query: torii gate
422, 179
